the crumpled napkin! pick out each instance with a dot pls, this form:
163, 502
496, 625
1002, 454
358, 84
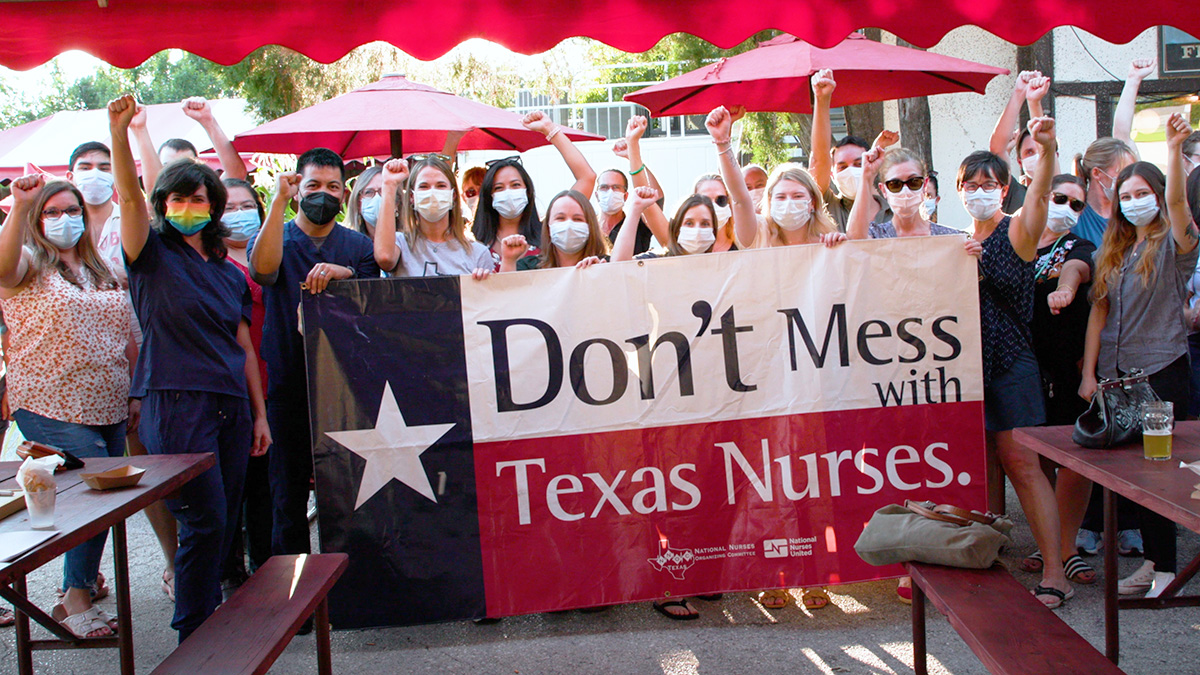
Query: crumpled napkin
38, 474
1194, 467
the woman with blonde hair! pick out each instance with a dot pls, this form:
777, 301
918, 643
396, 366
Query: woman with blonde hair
1137, 322
432, 237
1098, 167
793, 211
69, 355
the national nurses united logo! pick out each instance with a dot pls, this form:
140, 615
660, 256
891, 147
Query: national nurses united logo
675, 561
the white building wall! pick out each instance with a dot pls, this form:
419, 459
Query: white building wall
963, 123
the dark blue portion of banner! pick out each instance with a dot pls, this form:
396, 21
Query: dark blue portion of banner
412, 560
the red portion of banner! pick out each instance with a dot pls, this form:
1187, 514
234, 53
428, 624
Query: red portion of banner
580, 521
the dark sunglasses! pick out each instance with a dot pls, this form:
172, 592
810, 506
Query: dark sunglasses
895, 185
1060, 199
515, 159
721, 201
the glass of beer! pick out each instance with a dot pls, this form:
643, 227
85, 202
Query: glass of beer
1158, 423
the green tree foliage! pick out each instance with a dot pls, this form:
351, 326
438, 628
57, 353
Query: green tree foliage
763, 134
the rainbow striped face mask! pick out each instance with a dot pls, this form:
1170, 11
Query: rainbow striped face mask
188, 218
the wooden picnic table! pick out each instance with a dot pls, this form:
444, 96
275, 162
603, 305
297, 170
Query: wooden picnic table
81, 513
1161, 486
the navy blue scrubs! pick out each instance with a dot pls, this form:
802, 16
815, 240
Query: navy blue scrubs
291, 457
191, 377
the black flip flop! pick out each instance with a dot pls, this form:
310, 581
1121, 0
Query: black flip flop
661, 608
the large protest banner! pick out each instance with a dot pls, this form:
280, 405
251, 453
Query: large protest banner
571, 438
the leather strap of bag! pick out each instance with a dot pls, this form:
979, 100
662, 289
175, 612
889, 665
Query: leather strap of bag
921, 509
975, 516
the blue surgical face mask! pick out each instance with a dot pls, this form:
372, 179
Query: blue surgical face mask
243, 225
370, 209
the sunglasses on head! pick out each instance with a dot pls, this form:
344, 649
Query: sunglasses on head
515, 159
895, 185
413, 159
1060, 199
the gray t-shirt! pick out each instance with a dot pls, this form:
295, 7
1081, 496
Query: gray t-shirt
440, 259
1146, 328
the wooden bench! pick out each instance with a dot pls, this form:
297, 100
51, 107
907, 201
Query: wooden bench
1009, 629
249, 631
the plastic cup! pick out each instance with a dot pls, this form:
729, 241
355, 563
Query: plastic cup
41, 509
1158, 425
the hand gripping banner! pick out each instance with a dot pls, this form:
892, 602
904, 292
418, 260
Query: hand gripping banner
572, 438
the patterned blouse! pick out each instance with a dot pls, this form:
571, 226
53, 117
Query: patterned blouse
1005, 302
66, 355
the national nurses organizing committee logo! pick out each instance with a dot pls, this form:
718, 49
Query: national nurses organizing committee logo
675, 561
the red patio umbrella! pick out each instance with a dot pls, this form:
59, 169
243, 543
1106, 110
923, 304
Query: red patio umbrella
126, 32
395, 117
775, 77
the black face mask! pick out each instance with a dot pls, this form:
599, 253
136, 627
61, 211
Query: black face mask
320, 207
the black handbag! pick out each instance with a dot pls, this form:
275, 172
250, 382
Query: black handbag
1115, 416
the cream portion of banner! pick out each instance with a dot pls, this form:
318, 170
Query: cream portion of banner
866, 324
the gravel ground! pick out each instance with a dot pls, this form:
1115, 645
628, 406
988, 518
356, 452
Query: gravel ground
865, 630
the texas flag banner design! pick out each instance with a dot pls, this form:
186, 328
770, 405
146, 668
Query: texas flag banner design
571, 438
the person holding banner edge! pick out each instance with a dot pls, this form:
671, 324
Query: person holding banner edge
197, 371
1012, 383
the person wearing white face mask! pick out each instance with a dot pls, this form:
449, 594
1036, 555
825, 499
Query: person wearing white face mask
630, 148
572, 234
756, 182
795, 212
901, 180
611, 189
1012, 383
506, 200
1142, 268
839, 165
432, 240
933, 197
68, 358
691, 231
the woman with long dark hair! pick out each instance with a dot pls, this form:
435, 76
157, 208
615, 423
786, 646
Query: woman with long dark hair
197, 372
506, 199
1137, 323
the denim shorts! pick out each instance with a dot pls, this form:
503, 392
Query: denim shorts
1014, 398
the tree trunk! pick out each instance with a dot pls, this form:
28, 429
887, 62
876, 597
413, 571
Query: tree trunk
915, 132
865, 120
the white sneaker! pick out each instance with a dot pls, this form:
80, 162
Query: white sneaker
1138, 582
1161, 581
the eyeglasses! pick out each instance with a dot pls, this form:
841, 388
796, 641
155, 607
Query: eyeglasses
471, 193
895, 185
53, 212
370, 193
970, 188
721, 200
515, 159
1059, 198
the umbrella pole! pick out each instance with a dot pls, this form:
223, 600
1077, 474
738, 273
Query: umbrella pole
397, 138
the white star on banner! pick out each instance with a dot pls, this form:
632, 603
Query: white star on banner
392, 450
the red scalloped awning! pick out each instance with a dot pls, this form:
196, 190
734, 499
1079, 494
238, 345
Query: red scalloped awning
126, 32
